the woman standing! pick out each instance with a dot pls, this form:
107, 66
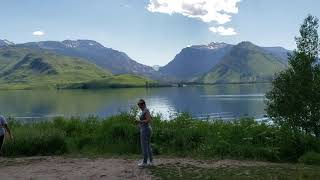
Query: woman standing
145, 134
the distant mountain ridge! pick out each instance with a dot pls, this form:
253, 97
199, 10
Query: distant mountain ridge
115, 61
195, 60
245, 62
156, 67
279, 52
5, 43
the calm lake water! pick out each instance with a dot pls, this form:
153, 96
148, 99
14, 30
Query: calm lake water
224, 101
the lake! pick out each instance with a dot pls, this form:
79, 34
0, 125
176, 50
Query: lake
221, 101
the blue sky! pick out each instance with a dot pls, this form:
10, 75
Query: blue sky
154, 36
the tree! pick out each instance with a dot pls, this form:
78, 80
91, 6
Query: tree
294, 99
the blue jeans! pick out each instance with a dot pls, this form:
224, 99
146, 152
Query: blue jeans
145, 138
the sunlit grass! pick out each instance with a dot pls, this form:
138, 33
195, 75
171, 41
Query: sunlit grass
181, 136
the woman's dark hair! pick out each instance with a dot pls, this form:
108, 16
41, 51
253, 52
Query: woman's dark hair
142, 101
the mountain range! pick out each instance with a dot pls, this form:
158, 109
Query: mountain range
193, 61
245, 62
112, 60
216, 62
213, 63
4, 43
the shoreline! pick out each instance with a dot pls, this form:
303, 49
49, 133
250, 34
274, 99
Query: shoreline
82, 86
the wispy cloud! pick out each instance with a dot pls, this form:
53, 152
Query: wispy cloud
38, 33
218, 11
223, 31
125, 5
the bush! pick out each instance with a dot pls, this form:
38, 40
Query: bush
30, 142
311, 158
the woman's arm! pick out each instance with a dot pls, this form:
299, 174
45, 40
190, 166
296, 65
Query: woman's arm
148, 117
8, 130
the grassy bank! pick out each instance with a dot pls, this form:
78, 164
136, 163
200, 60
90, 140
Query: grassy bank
182, 136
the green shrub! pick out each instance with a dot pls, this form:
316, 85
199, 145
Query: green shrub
311, 158
30, 142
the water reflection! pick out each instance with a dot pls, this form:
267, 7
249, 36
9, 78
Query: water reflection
238, 100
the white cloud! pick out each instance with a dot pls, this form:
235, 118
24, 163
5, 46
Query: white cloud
208, 11
223, 31
219, 11
38, 33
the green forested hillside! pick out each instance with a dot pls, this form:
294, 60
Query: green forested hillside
23, 68
246, 62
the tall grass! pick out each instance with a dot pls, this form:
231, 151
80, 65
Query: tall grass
181, 136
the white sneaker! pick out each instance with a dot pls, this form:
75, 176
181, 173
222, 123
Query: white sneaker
142, 164
150, 163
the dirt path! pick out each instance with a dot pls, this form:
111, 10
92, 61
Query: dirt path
72, 169
94, 169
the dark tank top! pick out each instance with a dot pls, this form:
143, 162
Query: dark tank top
143, 117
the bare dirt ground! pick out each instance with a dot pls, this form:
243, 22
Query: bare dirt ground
63, 168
